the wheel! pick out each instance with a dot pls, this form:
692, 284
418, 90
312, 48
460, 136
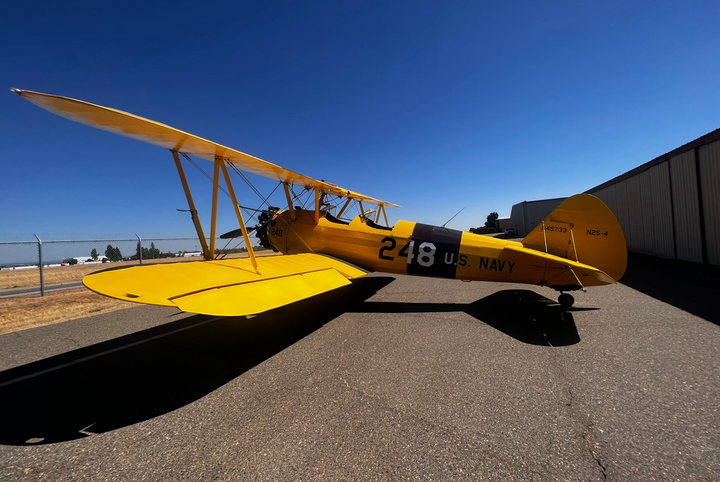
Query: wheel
566, 300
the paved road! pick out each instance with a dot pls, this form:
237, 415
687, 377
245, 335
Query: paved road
388, 379
12, 292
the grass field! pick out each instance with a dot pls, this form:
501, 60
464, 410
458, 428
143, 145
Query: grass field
30, 311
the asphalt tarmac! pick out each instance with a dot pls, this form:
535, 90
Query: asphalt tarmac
391, 378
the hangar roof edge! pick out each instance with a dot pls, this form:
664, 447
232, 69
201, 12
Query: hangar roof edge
541, 200
700, 141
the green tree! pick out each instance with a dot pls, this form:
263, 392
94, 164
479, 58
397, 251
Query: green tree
150, 253
113, 254
491, 220
94, 254
154, 252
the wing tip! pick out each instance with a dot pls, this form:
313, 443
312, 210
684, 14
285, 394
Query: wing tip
17, 91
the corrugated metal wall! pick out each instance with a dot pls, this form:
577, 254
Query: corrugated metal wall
709, 162
660, 229
517, 219
630, 193
686, 207
670, 207
643, 207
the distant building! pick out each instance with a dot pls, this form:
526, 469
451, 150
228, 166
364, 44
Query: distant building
503, 223
528, 214
89, 260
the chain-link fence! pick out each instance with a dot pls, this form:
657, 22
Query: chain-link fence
43, 263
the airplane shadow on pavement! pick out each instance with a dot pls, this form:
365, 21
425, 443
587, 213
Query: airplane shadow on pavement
522, 314
140, 376
136, 377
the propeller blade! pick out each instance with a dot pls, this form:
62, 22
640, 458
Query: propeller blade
236, 233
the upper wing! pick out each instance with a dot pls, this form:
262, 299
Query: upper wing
225, 288
129, 125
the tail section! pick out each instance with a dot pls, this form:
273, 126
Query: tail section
582, 229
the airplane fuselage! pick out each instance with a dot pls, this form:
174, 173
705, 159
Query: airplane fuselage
418, 249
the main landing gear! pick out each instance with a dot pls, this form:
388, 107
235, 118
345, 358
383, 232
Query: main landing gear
566, 300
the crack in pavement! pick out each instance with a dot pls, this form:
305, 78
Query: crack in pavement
575, 415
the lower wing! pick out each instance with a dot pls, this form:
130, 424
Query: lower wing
225, 288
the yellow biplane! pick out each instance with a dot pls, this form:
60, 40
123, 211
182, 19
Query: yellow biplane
579, 244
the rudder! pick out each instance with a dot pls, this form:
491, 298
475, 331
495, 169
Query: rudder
582, 229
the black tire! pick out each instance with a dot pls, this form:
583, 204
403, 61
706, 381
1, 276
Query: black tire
566, 300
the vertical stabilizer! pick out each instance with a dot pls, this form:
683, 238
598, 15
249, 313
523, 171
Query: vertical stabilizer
582, 229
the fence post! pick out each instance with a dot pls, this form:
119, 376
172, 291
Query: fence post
139, 248
40, 264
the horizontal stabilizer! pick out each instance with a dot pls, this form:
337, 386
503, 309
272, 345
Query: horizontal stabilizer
559, 271
228, 287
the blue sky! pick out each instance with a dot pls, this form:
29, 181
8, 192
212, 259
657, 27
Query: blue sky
430, 105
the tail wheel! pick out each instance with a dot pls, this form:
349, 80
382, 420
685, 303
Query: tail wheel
566, 300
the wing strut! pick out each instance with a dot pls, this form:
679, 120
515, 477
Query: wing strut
347, 203
289, 201
213, 221
251, 252
317, 205
196, 221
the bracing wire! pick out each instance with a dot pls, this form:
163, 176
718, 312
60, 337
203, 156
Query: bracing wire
247, 209
297, 197
247, 181
250, 212
204, 173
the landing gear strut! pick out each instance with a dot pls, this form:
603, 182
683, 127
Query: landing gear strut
566, 300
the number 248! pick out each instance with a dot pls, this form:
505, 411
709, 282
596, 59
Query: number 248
425, 255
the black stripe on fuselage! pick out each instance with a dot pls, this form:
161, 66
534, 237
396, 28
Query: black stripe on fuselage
435, 251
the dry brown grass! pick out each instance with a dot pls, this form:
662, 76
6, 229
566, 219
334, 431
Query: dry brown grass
30, 311
25, 278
